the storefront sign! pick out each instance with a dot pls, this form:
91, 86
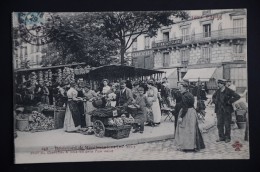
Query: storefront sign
169, 43
142, 53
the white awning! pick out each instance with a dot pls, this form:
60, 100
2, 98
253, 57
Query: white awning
168, 72
203, 74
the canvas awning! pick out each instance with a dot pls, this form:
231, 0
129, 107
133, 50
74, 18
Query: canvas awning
168, 72
120, 71
203, 74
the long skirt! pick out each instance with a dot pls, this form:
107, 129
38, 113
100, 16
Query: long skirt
88, 108
72, 120
187, 135
156, 112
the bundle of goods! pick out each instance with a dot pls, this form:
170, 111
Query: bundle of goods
68, 75
104, 112
59, 76
39, 122
87, 69
80, 71
33, 79
50, 75
40, 77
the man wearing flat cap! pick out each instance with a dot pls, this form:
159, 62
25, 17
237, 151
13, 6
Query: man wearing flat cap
223, 99
124, 96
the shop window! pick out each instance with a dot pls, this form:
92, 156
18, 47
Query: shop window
166, 36
147, 42
134, 45
206, 30
238, 26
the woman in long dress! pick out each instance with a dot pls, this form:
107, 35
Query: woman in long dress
188, 136
152, 94
72, 121
90, 95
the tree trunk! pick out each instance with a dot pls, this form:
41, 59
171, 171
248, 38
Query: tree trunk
122, 52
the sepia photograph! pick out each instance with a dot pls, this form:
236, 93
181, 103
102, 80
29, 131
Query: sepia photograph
130, 86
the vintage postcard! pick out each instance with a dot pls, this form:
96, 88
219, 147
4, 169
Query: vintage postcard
130, 85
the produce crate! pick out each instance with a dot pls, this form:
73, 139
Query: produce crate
59, 119
118, 132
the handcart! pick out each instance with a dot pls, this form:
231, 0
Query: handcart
100, 118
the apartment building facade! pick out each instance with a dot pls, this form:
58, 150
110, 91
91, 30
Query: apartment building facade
24, 54
211, 44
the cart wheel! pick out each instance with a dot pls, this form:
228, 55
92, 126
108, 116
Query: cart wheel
99, 128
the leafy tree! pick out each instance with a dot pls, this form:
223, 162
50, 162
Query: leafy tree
78, 38
125, 27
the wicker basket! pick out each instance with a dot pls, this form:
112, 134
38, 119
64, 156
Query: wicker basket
118, 132
59, 119
22, 124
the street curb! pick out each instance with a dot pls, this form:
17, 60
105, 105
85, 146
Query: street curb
115, 143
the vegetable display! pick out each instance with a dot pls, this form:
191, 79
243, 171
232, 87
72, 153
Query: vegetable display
38, 121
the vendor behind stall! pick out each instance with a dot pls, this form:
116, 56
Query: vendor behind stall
89, 95
125, 96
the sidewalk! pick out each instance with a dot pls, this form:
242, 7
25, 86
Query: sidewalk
30, 142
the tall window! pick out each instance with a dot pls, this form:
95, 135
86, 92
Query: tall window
238, 48
16, 63
206, 54
238, 26
166, 36
185, 56
25, 51
166, 59
32, 49
37, 48
134, 45
147, 42
185, 34
21, 51
206, 30
37, 59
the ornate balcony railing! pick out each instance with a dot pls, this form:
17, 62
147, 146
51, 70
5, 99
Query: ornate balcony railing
224, 34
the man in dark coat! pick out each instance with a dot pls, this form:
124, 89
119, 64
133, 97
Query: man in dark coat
124, 96
223, 99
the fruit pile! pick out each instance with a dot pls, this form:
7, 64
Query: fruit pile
38, 121
120, 121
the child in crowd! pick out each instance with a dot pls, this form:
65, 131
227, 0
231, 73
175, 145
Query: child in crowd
142, 104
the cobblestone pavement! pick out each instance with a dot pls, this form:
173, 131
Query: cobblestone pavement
160, 150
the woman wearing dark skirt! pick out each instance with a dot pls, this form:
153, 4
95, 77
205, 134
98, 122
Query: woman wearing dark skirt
72, 121
188, 136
